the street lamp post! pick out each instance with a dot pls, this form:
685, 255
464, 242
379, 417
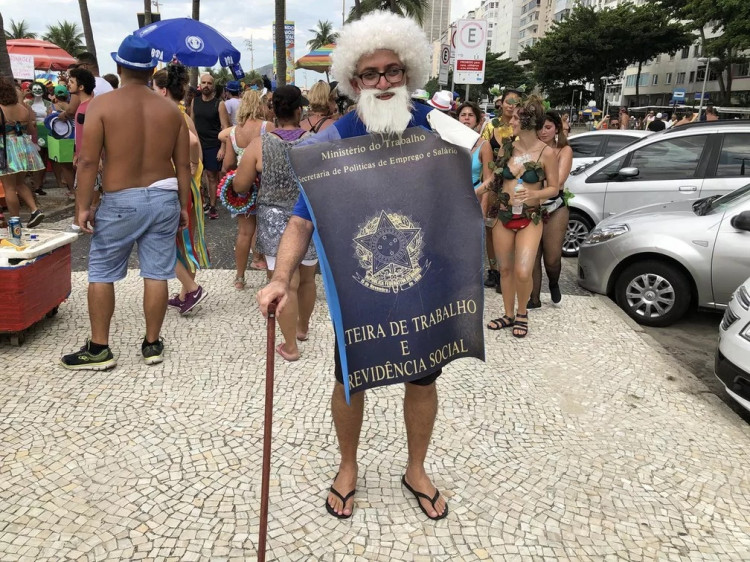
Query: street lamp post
572, 101
707, 61
607, 80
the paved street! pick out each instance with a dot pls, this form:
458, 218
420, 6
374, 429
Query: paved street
585, 441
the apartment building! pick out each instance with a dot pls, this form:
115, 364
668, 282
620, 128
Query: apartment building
665, 73
535, 19
437, 19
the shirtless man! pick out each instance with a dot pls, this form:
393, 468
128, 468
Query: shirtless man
145, 185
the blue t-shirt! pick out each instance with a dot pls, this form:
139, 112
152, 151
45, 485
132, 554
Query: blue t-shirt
350, 125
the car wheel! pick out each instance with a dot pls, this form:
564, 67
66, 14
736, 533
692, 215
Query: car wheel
653, 293
579, 226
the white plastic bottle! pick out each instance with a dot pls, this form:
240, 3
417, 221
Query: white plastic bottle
518, 208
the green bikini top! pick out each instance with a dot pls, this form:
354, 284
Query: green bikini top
529, 176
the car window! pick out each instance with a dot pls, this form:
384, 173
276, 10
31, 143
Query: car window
585, 147
616, 142
608, 172
669, 159
734, 160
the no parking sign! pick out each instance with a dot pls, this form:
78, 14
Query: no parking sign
470, 51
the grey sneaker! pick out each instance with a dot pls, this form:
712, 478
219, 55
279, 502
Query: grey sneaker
85, 360
153, 353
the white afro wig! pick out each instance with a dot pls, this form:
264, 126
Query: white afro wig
381, 30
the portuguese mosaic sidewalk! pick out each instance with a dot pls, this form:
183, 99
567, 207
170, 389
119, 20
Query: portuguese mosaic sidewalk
582, 442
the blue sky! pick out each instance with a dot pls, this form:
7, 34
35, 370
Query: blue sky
238, 20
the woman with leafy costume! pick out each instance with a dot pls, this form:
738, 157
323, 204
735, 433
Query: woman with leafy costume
522, 167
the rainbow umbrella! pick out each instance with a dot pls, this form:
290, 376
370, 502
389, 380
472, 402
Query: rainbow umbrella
318, 60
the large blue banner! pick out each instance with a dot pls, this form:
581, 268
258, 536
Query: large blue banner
399, 235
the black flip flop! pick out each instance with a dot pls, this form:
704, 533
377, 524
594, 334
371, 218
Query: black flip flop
432, 500
343, 499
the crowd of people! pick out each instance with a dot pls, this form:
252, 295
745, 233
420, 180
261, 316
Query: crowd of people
30, 134
142, 186
655, 121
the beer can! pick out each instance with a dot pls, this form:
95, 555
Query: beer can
14, 228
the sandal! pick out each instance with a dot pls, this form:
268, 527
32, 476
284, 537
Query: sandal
239, 283
504, 321
521, 327
260, 265
432, 500
343, 499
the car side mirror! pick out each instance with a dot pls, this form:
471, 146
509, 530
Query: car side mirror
628, 172
741, 221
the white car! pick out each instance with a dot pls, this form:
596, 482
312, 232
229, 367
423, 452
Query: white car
592, 146
732, 365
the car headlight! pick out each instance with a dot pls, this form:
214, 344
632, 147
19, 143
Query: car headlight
605, 233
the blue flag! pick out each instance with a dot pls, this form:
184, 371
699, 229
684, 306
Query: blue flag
398, 230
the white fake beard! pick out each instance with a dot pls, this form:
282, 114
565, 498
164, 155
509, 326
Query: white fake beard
387, 117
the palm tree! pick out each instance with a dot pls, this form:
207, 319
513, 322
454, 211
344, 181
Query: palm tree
410, 8
280, 40
19, 30
88, 32
146, 12
221, 76
5, 69
66, 35
323, 35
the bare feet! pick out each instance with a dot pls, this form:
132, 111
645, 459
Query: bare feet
417, 478
282, 349
345, 482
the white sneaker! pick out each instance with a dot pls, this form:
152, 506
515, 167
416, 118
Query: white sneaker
75, 228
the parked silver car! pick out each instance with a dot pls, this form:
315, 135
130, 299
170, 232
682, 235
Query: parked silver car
695, 160
592, 146
732, 364
658, 260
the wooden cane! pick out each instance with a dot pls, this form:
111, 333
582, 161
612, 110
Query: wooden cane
268, 419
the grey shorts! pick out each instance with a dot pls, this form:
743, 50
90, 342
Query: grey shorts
145, 216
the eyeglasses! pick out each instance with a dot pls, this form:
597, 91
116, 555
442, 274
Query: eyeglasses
393, 75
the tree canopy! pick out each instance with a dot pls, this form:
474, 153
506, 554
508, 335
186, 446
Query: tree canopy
66, 35
731, 18
322, 35
416, 9
592, 44
19, 30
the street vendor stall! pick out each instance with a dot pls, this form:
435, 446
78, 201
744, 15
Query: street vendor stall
34, 279
47, 56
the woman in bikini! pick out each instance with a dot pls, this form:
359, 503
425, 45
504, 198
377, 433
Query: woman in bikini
523, 164
553, 235
319, 116
250, 125
481, 154
495, 132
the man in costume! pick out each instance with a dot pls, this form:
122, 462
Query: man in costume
379, 60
